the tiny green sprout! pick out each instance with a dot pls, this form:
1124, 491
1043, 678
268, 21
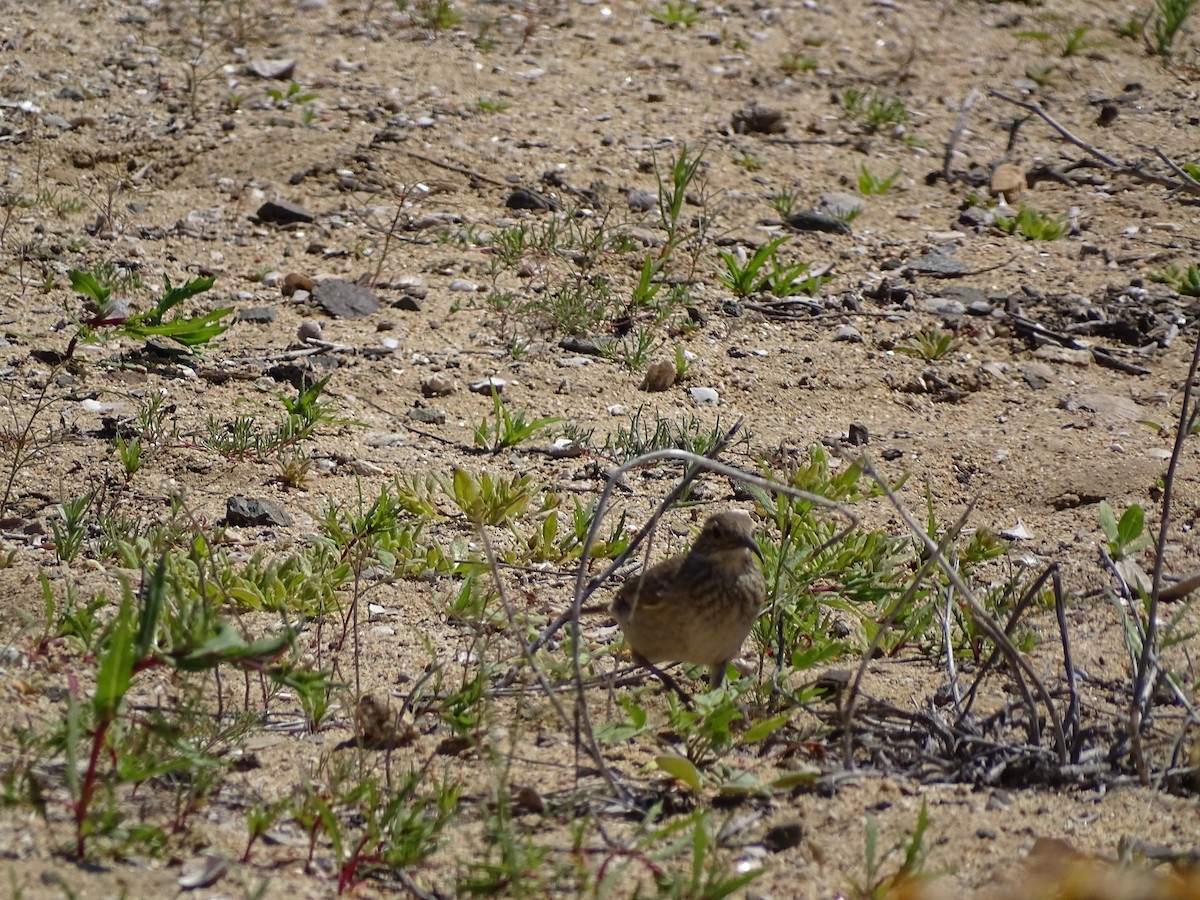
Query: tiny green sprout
870, 185
796, 63
684, 14
1182, 281
930, 345
1033, 225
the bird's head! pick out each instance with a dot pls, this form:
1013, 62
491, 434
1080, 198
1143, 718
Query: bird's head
727, 531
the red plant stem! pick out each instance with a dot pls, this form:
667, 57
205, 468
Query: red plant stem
89, 784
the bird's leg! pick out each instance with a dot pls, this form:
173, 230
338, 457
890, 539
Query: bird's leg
667, 680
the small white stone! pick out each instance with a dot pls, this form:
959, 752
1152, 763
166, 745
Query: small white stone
703, 396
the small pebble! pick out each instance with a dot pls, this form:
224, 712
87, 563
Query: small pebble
437, 385
660, 376
703, 396
487, 385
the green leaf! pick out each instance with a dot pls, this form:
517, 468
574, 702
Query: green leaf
152, 603
764, 729
116, 664
1129, 529
86, 283
795, 779
680, 768
1108, 522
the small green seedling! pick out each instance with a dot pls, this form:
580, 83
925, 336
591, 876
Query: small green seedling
1033, 225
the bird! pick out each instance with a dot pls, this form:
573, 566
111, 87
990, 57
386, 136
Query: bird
697, 607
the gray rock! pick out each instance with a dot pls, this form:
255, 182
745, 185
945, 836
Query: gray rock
642, 201
259, 315
278, 69
463, 285
488, 385
942, 306
528, 198
439, 384
378, 439
280, 212
427, 416
849, 334
344, 299
936, 264
755, 119
409, 301
1063, 355
842, 205
573, 362
812, 220
241, 510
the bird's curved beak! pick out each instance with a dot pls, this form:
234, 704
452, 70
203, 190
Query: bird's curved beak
748, 542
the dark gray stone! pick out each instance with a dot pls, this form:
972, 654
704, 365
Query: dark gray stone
280, 212
936, 264
259, 315
344, 299
240, 510
427, 416
811, 220
528, 198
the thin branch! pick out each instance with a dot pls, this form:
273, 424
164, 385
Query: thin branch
1142, 686
985, 622
956, 134
1188, 186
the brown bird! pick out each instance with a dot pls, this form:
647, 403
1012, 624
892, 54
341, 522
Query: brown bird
696, 607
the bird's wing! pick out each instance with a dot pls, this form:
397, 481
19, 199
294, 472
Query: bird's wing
649, 589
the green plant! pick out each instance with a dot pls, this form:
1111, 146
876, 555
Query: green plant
1125, 535
751, 162
245, 438
873, 110
647, 287
436, 15
685, 14
784, 202
1071, 41
1033, 225
744, 276
930, 344
1166, 21
683, 170
682, 363
909, 874
70, 527
491, 105
507, 429
109, 317
796, 63
634, 350
129, 453
26, 439
167, 625
293, 95
870, 185
639, 436
1133, 28
1182, 281
747, 276
490, 500
1041, 75
707, 871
